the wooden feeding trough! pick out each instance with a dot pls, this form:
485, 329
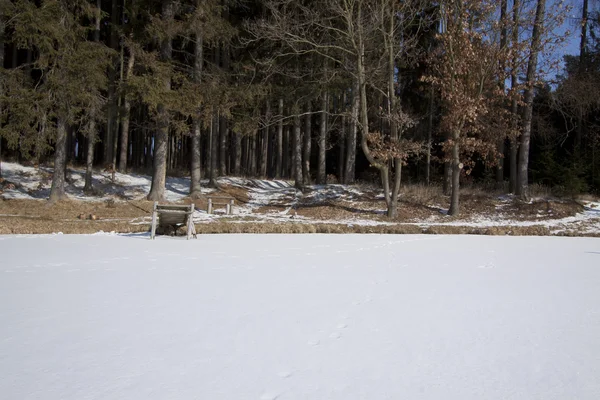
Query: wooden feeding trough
175, 216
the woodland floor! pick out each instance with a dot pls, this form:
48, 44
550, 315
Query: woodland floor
274, 206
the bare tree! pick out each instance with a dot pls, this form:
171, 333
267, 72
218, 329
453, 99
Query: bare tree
536, 40
347, 33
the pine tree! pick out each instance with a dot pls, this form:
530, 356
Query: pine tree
67, 60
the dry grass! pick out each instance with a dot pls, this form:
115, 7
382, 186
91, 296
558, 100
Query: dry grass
417, 203
422, 194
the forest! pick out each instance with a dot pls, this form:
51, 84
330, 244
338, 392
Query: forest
448, 92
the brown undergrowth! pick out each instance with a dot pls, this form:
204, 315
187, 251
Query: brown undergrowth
418, 206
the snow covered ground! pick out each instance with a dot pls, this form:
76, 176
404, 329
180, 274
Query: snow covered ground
299, 317
33, 183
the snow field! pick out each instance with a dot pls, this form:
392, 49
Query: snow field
299, 317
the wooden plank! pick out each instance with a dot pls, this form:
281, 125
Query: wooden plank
174, 208
154, 216
191, 229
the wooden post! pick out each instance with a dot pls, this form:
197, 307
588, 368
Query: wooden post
190, 221
210, 206
154, 212
230, 207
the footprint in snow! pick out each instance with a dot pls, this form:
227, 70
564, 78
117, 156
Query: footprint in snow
269, 396
285, 374
335, 335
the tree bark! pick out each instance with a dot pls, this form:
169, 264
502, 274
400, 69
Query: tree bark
125, 120
279, 144
394, 132
514, 152
456, 168
196, 161
2, 29
112, 95
57, 191
581, 71
118, 113
349, 174
286, 161
503, 44
429, 136
253, 153
307, 145
523, 186
237, 158
88, 188
321, 171
264, 143
514, 142
364, 113
161, 139
223, 134
297, 153
196, 156
213, 143
341, 109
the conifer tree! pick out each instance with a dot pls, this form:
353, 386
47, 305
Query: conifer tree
67, 61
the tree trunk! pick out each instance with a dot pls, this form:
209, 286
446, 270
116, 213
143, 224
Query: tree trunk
503, 44
514, 140
264, 143
306, 146
514, 151
297, 153
456, 168
523, 186
125, 121
237, 159
581, 71
253, 153
364, 112
341, 109
279, 145
88, 188
196, 161
2, 29
223, 122
286, 161
349, 174
213, 148
118, 114
112, 85
394, 133
223, 134
322, 172
57, 192
161, 139
429, 137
